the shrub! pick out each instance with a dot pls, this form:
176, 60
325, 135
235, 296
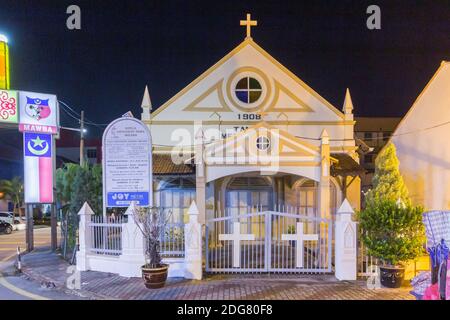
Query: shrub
392, 233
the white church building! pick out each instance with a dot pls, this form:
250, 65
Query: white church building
248, 137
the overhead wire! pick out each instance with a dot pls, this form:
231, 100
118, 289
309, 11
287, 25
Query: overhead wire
87, 121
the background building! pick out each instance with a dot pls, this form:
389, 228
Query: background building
68, 148
371, 134
422, 140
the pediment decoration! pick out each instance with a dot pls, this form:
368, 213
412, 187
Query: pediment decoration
261, 143
286, 101
208, 101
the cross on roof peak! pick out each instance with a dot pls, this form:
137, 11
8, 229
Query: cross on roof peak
249, 23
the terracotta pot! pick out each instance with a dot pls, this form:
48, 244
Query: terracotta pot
155, 278
392, 276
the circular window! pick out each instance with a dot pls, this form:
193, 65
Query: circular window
248, 90
263, 143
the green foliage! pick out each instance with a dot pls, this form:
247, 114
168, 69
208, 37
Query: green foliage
80, 189
387, 182
392, 233
95, 188
64, 182
76, 185
291, 229
392, 230
14, 190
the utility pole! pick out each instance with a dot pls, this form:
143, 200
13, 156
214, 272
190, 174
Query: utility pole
82, 138
29, 237
53, 217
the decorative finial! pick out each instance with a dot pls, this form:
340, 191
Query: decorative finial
249, 23
146, 102
324, 137
348, 104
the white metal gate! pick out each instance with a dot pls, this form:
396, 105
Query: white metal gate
269, 241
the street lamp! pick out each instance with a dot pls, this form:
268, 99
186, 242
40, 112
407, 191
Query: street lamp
74, 129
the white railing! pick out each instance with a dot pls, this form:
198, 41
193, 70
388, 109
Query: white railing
116, 245
364, 260
172, 242
106, 235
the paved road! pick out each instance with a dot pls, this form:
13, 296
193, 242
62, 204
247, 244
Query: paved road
9, 242
14, 286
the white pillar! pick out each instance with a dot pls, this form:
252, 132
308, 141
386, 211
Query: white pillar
193, 245
324, 183
133, 255
200, 176
84, 237
345, 243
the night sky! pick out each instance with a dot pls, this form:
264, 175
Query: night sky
124, 45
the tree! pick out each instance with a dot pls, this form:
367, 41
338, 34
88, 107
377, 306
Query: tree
14, 190
81, 189
387, 182
76, 185
392, 231
64, 182
95, 188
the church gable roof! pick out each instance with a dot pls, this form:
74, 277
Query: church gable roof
216, 90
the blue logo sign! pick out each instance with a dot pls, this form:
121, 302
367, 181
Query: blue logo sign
38, 144
124, 199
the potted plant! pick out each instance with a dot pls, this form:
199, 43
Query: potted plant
152, 225
393, 233
391, 227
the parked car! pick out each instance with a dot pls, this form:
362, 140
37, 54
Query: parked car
7, 216
16, 222
19, 225
5, 227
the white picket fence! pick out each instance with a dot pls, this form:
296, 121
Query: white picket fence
106, 236
116, 245
172, 241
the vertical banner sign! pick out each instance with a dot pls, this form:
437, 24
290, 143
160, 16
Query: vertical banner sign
38, 162
4, 65
127, 163
8, 106
38, 112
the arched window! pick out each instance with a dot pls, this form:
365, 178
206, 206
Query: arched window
248, 192
307, 197
174, 196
